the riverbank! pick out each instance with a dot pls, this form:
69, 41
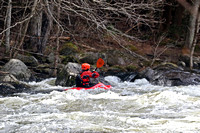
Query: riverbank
131, 56
159, 64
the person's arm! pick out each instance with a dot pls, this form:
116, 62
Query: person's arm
95, 74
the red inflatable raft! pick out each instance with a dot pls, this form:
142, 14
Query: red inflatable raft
99, 85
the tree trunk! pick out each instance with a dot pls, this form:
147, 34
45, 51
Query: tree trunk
35, 31
195, 30
8, 24
193, 45
192, 9
179, 12
26, 25
57, 40
177, 20
167, 16
46, 34
191, 31
46, 28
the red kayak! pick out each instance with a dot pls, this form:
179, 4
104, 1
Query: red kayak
99, 85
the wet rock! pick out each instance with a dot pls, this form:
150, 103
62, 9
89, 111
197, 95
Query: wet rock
170, 75
6, 89
9, 85
66, 77
123, 75
127, 76
18, 69
113, 71
8, 78
13, 87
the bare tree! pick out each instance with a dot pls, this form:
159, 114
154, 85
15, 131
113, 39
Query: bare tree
47, 27
8, 24
156, 52
80, 18
105, 14
196, 18
57, 39
193, 25
26, 25
106, 17
35, 31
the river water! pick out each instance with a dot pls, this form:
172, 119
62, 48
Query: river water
128, 107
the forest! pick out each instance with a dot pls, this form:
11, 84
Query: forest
40, 27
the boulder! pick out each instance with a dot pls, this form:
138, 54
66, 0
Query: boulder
13, 87
91, 57
9, 85
6, 88
121, 58
18, 69
170, 75
66, 77
28, 60
51, 58
68, 49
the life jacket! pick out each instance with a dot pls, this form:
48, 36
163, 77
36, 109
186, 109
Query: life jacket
86, 75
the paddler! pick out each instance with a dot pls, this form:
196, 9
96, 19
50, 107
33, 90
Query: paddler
83, 79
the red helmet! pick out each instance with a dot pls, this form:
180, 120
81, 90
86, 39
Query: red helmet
85, 66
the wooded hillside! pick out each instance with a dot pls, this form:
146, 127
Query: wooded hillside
40, 26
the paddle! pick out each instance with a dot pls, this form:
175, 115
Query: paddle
100, 63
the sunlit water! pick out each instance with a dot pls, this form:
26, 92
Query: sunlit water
128, 107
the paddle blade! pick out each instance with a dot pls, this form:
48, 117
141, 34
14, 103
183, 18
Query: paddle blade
100, 62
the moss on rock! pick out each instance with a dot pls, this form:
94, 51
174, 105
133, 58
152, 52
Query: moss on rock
68, 49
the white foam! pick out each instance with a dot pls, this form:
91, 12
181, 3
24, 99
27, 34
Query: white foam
128, 107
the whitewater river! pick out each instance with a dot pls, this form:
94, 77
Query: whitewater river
128, 107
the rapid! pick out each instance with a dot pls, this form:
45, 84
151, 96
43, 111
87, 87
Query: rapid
128, 107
